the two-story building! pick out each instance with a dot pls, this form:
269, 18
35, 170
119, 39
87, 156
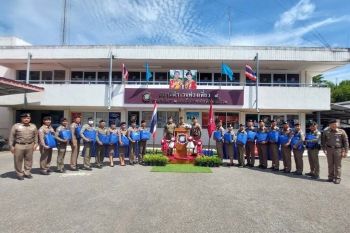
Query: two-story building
76, 81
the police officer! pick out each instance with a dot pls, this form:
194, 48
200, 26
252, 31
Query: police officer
313, 146
219, 138
133, 147
143, 142
102, 139
250, 146
123, 149
273, 145
89, 138
75, 130
285, 139
241, 142
335, 144
168, 133
23, 140
196, 129
45, 150
297, 144
114, 139
229, 140
62, 140
261, 140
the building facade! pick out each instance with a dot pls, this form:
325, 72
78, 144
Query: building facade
76, 81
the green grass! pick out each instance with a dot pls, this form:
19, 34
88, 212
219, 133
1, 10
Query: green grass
181, 168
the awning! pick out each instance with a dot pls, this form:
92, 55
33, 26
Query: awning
10, 87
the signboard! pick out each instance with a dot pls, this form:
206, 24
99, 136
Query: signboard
195, 97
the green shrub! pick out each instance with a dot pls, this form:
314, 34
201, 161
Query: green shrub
208, 161
155, 160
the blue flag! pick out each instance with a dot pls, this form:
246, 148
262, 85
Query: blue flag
148, 73
225, 69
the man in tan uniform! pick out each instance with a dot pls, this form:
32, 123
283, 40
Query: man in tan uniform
240, 142
23, 141
133, 150
219, 141
89, 138
313, 146
75, 129
45, 150
273, 145
62, 145
250, 146
261, 142
169, 130
101, 131
297, 143
286, 150
335, 144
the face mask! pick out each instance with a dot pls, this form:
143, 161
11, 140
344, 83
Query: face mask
91, 122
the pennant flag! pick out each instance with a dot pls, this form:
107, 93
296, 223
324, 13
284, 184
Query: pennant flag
225, 69
211, 123
125, 72
148, 73
153, 127
249, 73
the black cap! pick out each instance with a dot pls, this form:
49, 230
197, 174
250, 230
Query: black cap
193, 118
332, 121
297, 124
261, 121
273, 121
122, 123
285, 123
241, 125
313, 123
250, 120
229, 126
25, 114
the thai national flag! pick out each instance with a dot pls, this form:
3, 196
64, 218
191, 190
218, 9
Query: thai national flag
249, 73
125, 72
153, 127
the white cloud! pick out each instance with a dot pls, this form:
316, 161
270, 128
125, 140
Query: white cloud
301, 11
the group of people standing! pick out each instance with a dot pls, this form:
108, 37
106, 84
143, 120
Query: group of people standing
275, 142
98, 142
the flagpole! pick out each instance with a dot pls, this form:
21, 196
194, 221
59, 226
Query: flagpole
110, 80
257, 82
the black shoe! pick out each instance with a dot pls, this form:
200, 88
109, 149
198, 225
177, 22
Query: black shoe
45, 173
337, 181
28, 176
276, 169
330, 180
315, 177
74, 169
272, 168
285, 171
297, 173
20, 178
309, 174
59, 171
86, 168
49, 170
99, 167
263, 167
282, 170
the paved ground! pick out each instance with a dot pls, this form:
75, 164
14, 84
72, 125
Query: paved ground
132, 199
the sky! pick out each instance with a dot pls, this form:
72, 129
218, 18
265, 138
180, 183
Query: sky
315, 23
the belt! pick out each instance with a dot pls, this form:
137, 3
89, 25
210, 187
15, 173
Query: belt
334, 147
24, 143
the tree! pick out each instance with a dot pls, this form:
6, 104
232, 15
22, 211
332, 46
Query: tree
339, 93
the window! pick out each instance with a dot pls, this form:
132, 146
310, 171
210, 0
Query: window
46, 76
117, 77
114, 117
163, 118
134, 77
235, 81
90, 77
143, 77
219, 79
59, 76
265, 80
134, 115
292, 119
161, 77
102, 116
205, 78
279, 79
77, 77
293, 80
147, 116
279, 119
85, 116
266, 119
34, 76
228, 118
21, 75
102, 77
253, 117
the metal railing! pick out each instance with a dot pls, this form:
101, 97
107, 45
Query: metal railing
131, 82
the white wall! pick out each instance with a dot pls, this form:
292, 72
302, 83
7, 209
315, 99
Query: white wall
6, 121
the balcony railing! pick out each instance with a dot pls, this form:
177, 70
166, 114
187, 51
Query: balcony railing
91, 82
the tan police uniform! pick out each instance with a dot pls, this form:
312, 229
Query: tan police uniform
133, 150
142, 146
312, 154
88, 146
298, 153
196, 131
262, 149
250, 149
45, 153
101, 149
169, 130
240, 149
75, 146
334, 142
23, 138
61, 148
219, 143
122, 149
229, 146
286, 151
274, 148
